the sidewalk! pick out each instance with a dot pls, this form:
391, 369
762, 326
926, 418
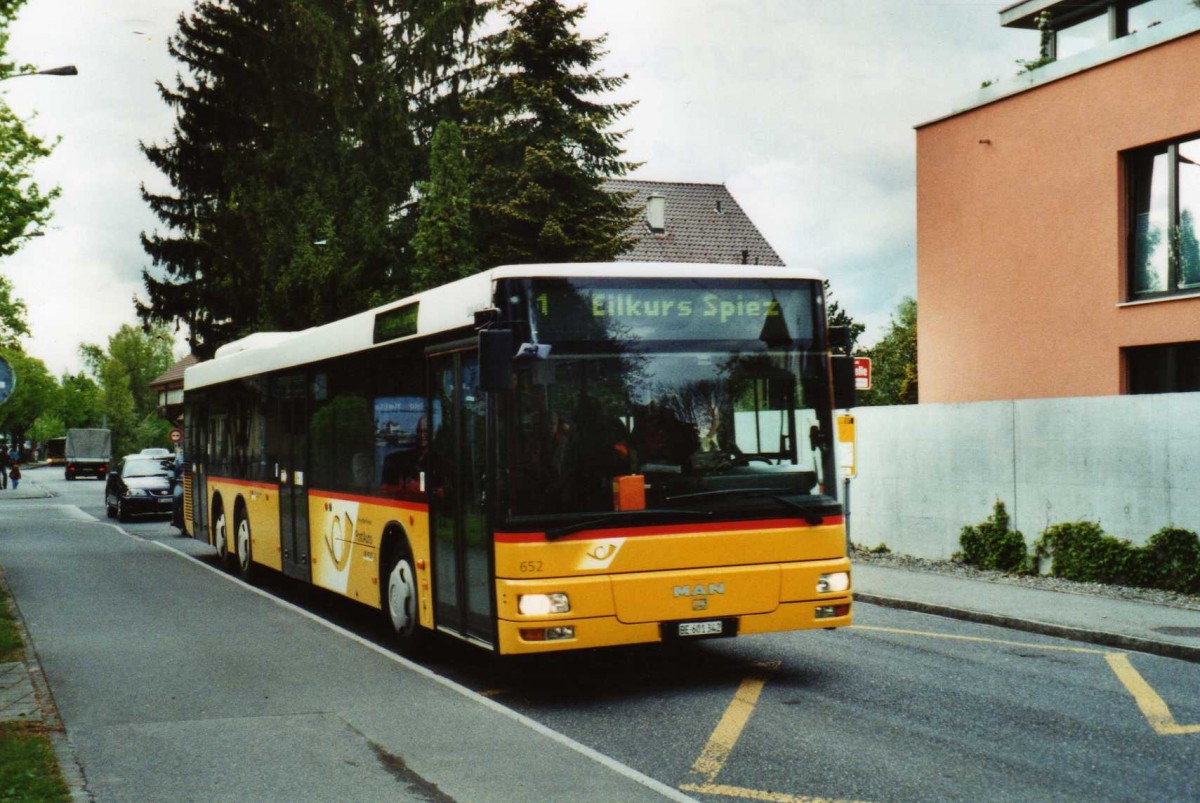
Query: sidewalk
1122, 624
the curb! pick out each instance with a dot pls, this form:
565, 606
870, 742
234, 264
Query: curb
1165, 649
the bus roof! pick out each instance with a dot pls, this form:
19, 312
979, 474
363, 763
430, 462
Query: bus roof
441, 309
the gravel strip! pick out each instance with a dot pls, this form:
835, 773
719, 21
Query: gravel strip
1043, 582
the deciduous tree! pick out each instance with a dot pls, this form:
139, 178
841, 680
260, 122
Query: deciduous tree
894, 360
124, 371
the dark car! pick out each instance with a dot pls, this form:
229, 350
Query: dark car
140, 485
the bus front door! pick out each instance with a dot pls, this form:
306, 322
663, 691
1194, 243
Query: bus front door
462, 554
292, 420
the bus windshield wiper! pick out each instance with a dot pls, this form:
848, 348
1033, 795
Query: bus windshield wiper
600, 521
806, 512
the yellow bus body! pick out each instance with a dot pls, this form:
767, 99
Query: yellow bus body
622, 587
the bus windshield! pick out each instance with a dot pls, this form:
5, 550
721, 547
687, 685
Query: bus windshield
726, 416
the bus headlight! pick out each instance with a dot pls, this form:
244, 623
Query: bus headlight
543, 604
833, 582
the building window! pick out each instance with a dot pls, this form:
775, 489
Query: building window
1174, 368
1164, 187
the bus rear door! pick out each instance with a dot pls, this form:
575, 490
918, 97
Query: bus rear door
291, 415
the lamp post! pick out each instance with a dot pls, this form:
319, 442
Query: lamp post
69, 69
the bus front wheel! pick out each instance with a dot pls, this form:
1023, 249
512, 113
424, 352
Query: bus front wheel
401, 603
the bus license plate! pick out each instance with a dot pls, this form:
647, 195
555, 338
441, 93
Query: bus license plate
701, 628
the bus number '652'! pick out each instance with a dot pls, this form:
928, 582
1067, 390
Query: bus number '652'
528, 566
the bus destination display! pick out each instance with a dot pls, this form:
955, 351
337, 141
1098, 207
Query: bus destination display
746, 310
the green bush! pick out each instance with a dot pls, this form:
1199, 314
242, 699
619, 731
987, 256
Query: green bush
1171, 560
1082, 551
992, 545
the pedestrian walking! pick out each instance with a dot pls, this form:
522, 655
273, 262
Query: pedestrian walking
3, 472
14, 466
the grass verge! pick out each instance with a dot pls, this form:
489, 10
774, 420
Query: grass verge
29, 769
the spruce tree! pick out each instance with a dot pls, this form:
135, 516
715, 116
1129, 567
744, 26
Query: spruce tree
541, 142
290, 159
442, 247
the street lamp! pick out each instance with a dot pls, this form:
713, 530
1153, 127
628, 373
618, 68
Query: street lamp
66, 70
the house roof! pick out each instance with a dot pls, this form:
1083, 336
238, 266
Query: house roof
703, 224
174, 374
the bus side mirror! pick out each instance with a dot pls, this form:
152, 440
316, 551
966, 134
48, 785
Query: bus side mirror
495, 359
839, 339
845, 395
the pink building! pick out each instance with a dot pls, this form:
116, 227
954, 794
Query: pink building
1058, 250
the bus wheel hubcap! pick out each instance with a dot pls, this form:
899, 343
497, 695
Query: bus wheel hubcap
402, 593
243, 543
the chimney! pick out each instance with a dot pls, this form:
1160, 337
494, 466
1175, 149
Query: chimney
656, 214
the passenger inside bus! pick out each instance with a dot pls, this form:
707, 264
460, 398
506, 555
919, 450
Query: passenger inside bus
662, 442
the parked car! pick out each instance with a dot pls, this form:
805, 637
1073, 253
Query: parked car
140, 484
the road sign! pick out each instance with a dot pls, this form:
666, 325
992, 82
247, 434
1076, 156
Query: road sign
862, 373
8, 380
176, 435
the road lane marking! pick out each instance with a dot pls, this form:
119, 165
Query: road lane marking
712, 759
1154, 709
953, 637
1152, 706
754, 794
729, 729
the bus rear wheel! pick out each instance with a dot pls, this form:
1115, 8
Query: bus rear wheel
245, 556
220, 528
401, 604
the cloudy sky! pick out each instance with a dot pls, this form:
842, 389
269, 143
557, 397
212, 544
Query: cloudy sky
804, 109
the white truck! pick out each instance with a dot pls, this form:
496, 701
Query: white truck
87, 453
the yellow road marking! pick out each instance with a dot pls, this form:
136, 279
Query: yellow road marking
1152, 706
726, 734
953, 637
753, 794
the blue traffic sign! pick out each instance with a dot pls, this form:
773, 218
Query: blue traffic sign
8, 380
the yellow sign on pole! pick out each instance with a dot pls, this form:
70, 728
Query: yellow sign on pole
846, 446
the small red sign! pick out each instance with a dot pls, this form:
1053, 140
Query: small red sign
862, 373
176, 436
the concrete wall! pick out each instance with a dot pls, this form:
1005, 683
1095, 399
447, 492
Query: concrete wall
1131, 463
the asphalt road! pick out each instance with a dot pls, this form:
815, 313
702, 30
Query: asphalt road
904, 706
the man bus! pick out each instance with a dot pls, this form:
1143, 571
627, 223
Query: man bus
540, 457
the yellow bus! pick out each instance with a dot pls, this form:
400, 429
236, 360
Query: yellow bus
540, 457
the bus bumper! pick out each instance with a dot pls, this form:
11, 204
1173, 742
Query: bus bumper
524, 637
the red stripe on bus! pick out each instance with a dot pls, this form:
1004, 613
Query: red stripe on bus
671, 529
419, 507
403, 504
268, 486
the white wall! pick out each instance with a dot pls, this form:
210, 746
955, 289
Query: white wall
1131, 463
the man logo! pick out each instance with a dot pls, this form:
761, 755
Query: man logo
700, 590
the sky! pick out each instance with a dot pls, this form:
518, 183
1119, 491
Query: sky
804, 109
